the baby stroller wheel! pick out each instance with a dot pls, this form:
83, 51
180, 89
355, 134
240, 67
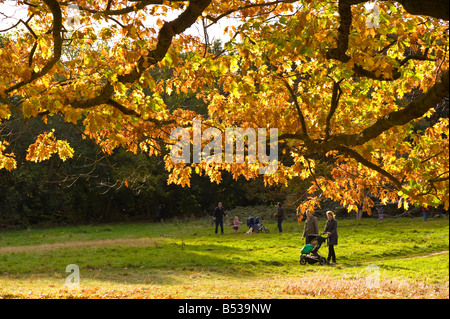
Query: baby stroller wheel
322, 261
302, 260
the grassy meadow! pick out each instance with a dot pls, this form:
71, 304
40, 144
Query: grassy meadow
394, 258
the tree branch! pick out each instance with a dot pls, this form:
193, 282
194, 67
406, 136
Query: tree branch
138, 6
360, 159
334, 103
434, 8
297, 106
57, 46
166, 34
128, 111
252, 5
339, 52
344, 142
412, 111
345, 23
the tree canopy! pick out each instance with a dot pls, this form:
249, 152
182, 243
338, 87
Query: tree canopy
348, 84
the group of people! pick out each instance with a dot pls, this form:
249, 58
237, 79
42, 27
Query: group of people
311, 226
219, 214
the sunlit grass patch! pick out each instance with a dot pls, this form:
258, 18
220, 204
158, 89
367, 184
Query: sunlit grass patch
187, 260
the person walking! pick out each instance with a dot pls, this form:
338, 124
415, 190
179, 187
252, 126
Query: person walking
219, 213
332, 240
279, 216
311, 226
425, 211
380, 213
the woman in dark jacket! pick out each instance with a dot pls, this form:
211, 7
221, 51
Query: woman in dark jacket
331, 230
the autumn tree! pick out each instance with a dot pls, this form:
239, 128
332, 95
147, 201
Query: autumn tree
344, 82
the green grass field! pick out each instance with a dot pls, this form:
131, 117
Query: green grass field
395, 258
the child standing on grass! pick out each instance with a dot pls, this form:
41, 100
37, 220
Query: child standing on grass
236, 224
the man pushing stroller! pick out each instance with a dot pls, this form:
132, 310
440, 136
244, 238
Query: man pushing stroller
311, 226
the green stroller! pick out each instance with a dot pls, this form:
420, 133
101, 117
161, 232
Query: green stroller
309, 252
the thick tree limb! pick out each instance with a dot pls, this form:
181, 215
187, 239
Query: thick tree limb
345, 23
339, 53
334, 103
297, 106
166, 34
434, 8
138, 6
410, 112
344, 142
